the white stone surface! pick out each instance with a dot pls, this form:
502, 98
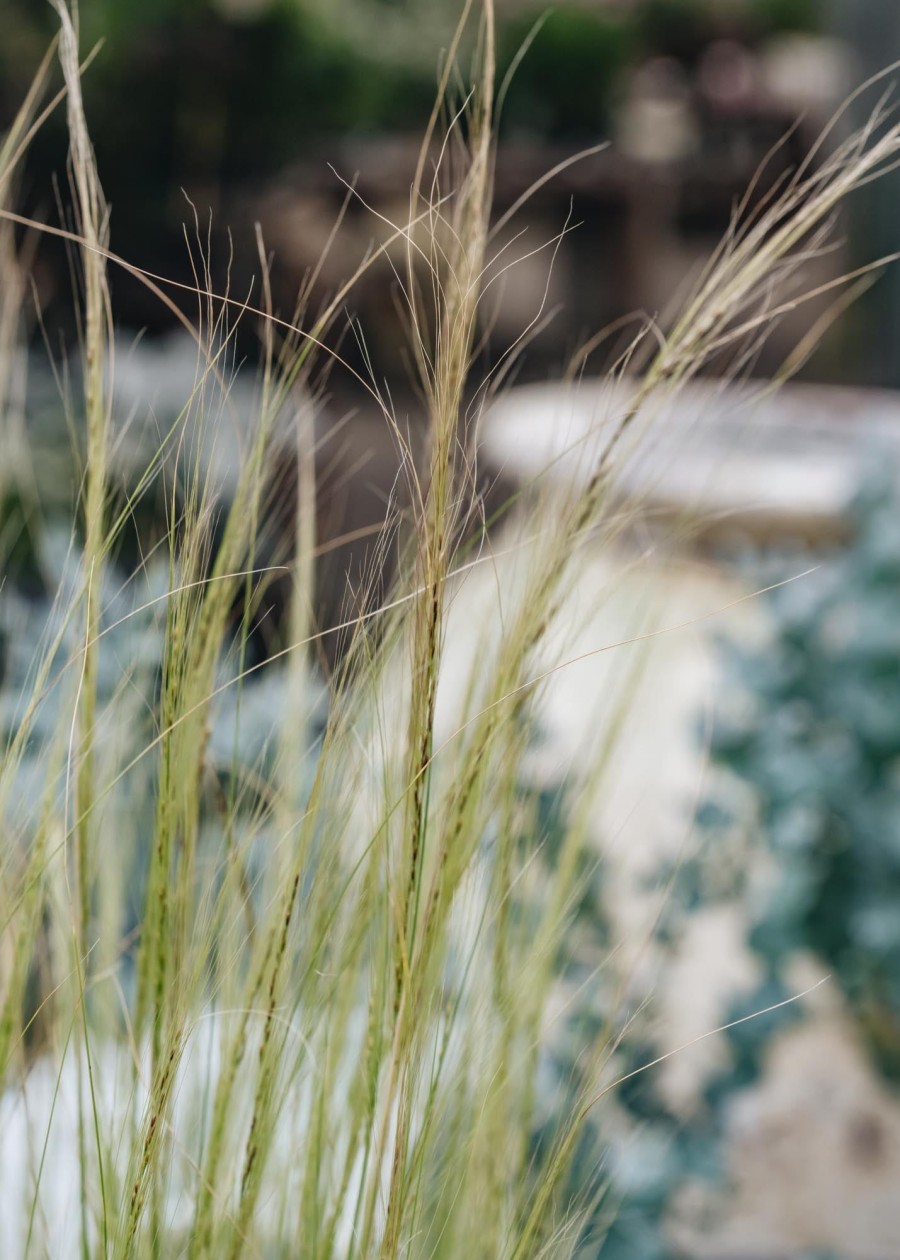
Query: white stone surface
719, 454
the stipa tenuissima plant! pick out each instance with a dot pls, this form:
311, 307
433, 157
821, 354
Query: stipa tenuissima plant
288, 1003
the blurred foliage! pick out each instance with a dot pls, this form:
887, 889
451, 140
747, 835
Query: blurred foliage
681, 28
198, 98
807, 775
676, 28
197, 87
36, 600
818, 749
633, 1154
564, 84
791, 15
181, 96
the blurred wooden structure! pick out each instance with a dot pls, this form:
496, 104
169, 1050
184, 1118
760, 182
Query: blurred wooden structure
637, 219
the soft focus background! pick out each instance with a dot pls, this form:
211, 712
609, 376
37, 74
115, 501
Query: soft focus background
237, 107
753, 833
213, 116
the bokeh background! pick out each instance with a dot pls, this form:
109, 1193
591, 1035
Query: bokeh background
781, 1139
238, 107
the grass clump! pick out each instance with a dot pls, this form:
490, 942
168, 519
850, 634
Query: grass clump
279, 983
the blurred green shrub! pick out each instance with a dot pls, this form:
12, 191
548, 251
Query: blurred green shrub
243, 88
633, 1154
211, 101
220, 93
806, 772
791, 15
565, 83
817, 749
245, 717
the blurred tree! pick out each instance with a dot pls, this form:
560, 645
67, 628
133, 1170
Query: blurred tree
565, 83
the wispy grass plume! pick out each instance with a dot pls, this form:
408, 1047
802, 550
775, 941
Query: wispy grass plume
279, 954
